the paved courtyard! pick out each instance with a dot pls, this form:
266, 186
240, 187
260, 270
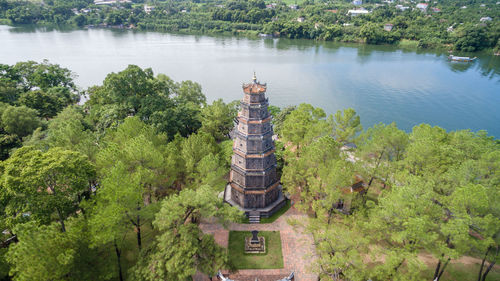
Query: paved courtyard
297, 247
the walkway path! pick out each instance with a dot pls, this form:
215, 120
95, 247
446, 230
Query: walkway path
297, 247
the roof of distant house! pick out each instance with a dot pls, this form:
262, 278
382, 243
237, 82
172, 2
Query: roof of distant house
358, 12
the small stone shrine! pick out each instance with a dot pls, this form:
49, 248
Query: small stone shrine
255, 244
253, 184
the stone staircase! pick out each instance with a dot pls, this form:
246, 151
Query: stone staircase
254, 217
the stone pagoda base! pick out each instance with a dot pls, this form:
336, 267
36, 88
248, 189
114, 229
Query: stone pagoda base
264, 212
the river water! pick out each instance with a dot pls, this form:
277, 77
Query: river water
382, 83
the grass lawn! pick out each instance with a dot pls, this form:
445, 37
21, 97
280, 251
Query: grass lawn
278, 214
273, 258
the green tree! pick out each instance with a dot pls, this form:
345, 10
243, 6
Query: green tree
9, 93
279, 118
133, 170
318, 176
217, 120
168, 106
340, 248
46, 253
470, 38
189, 91
69, 130
381, 148
45, 184
303, 125
345, 125
372, 33
194, 150
405, 222
30, 75
20, 120
178, 223
49, 102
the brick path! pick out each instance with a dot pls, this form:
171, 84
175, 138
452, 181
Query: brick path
297, 247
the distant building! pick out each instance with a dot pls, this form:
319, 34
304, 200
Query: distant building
422, 6
401, 7
294, 7
301, 19
110, 2
148, 8
482, 5
464, 7
450, 28
357, 2
355, 13
332, 11
485, 19
436, 10
388, 26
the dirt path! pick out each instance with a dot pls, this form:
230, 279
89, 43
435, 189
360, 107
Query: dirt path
431, 261
297, 247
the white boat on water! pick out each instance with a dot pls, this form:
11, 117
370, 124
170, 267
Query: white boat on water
464, 59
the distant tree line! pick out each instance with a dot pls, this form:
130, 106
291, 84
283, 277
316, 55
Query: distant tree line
447, 23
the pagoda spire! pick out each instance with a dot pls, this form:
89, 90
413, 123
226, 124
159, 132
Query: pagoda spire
254, 186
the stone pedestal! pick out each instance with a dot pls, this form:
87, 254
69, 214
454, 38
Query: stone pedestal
255, 244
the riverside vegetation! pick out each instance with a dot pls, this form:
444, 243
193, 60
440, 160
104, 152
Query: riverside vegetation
445, 23
115, 188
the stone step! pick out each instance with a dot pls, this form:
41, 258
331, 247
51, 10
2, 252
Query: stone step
254, 219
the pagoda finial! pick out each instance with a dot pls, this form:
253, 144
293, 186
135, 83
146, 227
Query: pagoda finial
254, 78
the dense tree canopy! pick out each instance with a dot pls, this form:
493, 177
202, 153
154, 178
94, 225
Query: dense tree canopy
116, 188
43, 185
182, 249
168, 106
441, 24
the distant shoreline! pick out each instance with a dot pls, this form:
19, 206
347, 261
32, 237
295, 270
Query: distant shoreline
401, 45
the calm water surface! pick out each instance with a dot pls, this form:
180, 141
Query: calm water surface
382, 83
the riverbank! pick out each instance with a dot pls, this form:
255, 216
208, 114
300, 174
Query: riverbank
403, 44
434, 26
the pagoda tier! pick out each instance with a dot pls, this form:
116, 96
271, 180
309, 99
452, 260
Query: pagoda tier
254, 185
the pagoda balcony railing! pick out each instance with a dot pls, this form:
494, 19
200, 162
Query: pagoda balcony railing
247, 136
253, 153
255, 104
253, 172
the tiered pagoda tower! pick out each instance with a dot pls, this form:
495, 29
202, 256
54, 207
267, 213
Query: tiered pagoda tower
253, 183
